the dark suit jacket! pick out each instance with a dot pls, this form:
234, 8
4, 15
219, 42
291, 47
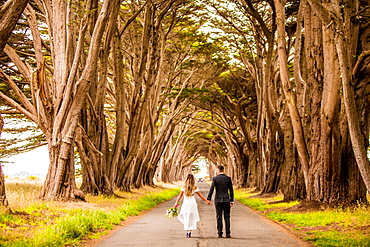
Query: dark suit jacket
224, 189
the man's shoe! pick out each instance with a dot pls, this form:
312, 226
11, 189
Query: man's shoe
228, 236
220, 236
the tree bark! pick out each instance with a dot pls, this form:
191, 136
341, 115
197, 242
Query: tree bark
9, 15
289, 93
3, 200
329, 145
93, 143
331, 19
357, 139
313, 74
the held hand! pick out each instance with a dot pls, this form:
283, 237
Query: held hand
231, 204
208, 202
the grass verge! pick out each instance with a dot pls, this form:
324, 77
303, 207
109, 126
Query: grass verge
38, 224
323, 226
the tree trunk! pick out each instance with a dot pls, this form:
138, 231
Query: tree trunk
329, 146
60, 181
313, 73
9, 15
3, 200
352, 186
330, 17
122, 102
275, 158
95, 180
56, 103
292, 186
93, 142
359, 142
268, 126
146, 105
65, 122
289, 93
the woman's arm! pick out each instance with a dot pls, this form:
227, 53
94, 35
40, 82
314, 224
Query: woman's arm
178, 199
203, 198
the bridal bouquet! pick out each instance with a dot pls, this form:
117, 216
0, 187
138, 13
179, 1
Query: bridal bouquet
171, 212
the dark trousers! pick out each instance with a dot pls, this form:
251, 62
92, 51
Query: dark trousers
223, 208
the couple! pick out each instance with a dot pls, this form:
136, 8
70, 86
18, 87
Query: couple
224, 200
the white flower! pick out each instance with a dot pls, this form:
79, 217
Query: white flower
171, 212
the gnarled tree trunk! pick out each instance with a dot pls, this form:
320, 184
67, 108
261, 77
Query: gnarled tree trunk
57, 102
3, 200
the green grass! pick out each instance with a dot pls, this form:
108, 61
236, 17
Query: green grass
336, 238
345, 218
42, 224
75, 225
327, 227
260, 204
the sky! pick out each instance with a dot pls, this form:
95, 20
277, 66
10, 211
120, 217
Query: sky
37, 162
34, 162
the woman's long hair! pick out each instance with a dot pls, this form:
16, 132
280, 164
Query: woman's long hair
189, 185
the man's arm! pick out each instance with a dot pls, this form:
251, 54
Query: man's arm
231, 190
209, 197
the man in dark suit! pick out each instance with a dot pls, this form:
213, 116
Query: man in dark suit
224, 199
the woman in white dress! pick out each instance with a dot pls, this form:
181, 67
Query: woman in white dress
189, 210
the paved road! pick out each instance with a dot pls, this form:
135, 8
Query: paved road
247, 229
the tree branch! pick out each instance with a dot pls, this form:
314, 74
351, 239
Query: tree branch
19, 93
359, 62
18, 107
10, 13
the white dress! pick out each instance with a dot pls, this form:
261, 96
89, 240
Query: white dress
189, 212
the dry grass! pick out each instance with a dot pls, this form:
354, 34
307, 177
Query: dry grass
34, 221
24, 192
21, 193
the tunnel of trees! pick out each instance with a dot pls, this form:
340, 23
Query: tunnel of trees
277, 91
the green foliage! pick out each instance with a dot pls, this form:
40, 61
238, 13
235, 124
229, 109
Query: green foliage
195, 168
